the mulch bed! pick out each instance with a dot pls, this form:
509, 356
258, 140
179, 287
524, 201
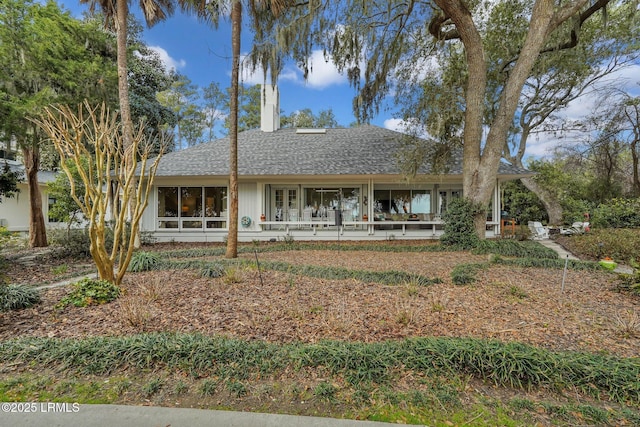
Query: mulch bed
506, 303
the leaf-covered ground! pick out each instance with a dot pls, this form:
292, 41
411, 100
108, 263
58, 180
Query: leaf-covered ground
505, 303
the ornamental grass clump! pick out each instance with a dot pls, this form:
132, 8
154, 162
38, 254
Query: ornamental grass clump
464, 274
213, 271
144, 261
16, 297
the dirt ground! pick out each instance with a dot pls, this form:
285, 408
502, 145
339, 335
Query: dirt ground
506, 303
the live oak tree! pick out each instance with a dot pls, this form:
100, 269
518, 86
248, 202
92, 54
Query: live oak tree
626, 123
606, 43
91, 144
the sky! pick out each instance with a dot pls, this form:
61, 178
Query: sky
203, 54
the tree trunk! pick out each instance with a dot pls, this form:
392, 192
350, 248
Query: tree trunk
636, 168
550, 202
473, 186
481, 162
123, 79
123, 94
37, 227
232, 241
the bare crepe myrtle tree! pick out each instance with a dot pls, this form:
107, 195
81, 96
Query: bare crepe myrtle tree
92, 139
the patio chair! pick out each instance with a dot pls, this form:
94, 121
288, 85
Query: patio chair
307, 217
538, 231
331, 216
576, 228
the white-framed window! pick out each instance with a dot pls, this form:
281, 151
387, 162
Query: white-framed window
192, 208
401, 201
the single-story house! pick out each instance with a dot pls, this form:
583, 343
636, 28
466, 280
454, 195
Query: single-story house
312, 184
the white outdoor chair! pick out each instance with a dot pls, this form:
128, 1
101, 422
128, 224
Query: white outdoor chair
577, 227
538, 231
331, 216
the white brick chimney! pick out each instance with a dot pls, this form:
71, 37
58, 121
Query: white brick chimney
269, 108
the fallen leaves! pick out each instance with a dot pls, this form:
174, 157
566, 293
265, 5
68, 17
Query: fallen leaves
290, 308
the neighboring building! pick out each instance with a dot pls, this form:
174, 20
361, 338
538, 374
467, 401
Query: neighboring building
295, 181
14, 211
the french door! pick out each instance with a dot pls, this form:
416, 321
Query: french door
284, 204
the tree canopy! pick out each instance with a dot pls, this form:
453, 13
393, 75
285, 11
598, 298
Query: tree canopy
481, 53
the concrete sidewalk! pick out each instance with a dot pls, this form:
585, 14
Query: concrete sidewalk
562, 252
72, 415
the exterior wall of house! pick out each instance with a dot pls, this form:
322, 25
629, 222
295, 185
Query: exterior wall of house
14, 211
195, 210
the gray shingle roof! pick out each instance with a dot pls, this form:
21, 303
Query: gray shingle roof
363, 150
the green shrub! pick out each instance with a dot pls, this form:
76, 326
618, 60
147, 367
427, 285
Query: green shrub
629, 282
5, 236
144, 261
617, 213
76, 242
623, 245
90, 292
16, 297
459, 229
573, 210
73, 243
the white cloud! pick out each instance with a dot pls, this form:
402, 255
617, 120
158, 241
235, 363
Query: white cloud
169, 62
398, 125
256, 77
322, 73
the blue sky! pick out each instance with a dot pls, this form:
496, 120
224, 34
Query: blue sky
203, 54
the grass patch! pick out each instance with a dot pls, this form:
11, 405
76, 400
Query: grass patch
390, 277
514, 248
427, 380
555, 263
303, 246
505, 364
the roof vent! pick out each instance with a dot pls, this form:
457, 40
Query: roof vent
311, 131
